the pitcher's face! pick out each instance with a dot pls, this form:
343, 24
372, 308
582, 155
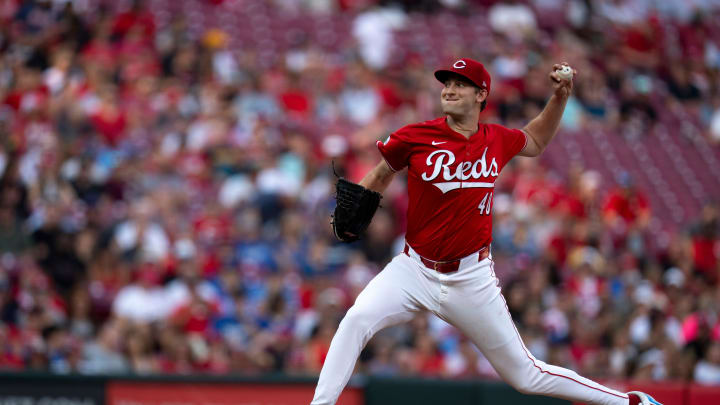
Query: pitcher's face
459, 97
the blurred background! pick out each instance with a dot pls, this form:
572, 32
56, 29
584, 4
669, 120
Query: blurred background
166, 182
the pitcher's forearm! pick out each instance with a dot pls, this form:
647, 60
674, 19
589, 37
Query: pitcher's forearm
544, 127
379, 178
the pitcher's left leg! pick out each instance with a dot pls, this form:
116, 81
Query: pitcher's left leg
392, 297
476, 306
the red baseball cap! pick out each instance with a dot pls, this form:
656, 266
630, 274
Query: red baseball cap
471, 70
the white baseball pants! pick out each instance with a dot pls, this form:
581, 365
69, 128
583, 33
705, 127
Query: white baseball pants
469, 299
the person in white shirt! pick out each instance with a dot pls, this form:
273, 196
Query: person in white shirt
144, 300
707, 371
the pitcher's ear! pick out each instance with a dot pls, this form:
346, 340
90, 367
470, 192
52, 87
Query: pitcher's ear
481, 95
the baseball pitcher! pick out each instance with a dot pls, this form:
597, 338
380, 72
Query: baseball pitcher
446, 266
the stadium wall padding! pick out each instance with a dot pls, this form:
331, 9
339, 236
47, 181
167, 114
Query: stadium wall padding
48, 389
392, 391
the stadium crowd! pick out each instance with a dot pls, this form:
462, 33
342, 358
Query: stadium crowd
165, 199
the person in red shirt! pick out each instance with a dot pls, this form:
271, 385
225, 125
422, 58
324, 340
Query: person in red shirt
626, 206
109, 120
137, 16
446, 267
705, 243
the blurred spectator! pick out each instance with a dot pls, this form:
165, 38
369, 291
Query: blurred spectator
708, 371
359, 101
715, 122
626, 206
143, 301
139, 351
373, 29
706, 243
140, 235
513, 19
104, 356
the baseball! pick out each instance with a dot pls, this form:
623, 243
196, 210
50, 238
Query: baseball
565, 72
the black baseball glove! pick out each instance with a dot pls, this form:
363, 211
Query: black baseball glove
355, 208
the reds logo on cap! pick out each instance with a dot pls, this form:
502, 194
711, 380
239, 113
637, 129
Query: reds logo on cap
471, 70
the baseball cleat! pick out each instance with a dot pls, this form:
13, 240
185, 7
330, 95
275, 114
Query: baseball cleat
645, 399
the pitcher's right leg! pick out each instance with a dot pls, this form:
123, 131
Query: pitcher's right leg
489, 325
392, 297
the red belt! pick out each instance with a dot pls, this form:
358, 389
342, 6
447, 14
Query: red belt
448, 266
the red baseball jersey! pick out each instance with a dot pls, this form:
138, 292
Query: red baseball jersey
451, 180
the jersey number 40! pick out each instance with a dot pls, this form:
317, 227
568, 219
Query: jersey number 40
485, 204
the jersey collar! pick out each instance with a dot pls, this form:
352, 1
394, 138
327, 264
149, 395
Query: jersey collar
454, 132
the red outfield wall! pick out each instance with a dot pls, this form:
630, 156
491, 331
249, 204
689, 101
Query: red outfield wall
158, 393
672, 393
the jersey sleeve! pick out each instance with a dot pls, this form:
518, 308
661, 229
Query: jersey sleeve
513, 141
395, 150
